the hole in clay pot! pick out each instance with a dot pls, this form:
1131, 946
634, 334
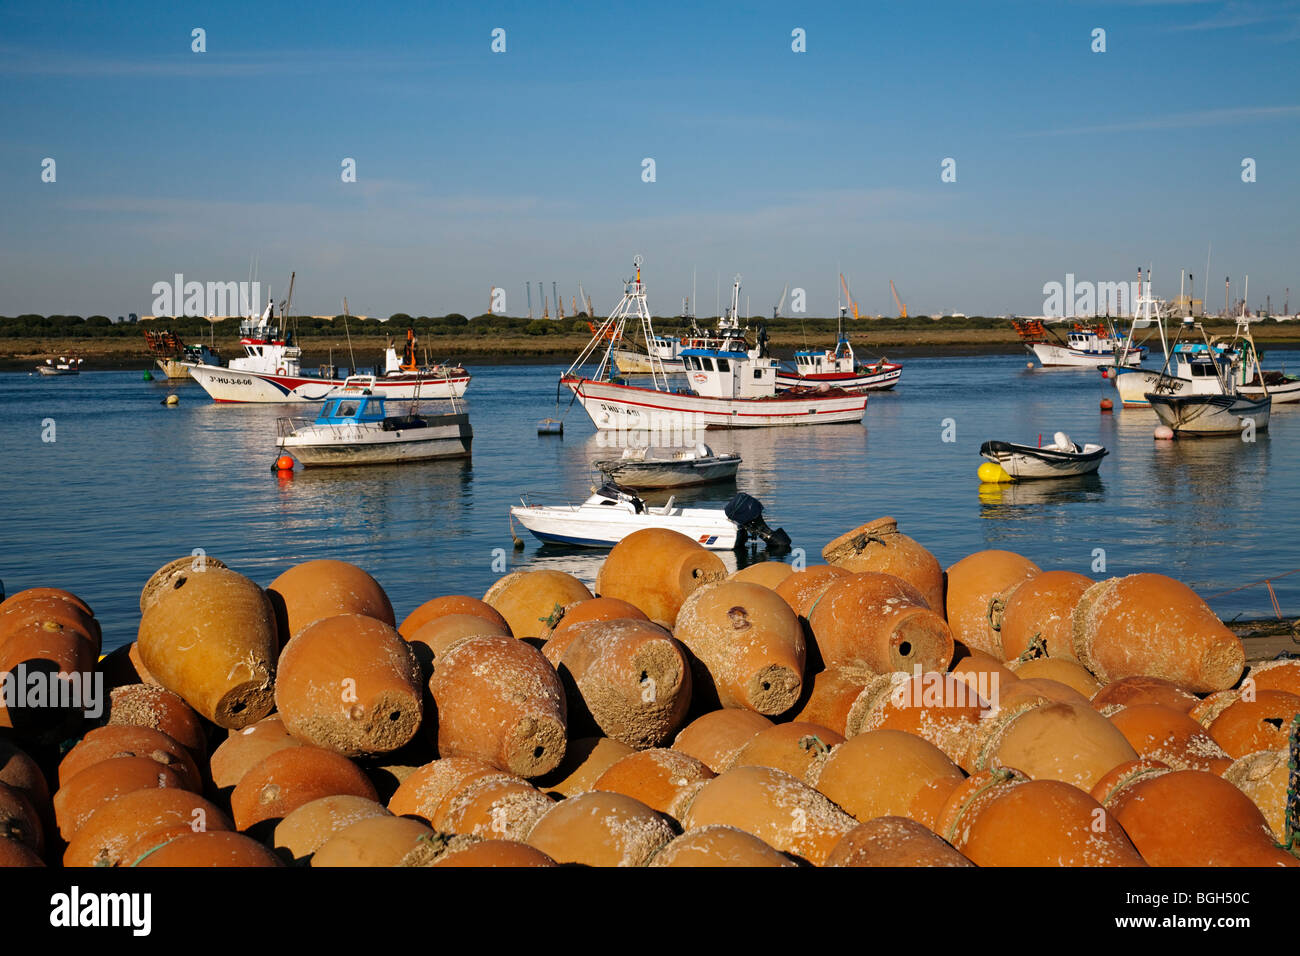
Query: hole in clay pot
237, 707
537, 752
395, 715
904, 649
179, 581
767, 685
1274, 722
644, 677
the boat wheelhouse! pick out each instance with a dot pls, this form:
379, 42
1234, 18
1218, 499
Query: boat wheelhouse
1084, 345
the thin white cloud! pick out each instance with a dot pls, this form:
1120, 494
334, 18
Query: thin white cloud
1219, 117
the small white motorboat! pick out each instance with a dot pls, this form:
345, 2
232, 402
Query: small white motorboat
1061, 459
64, 366
353, 428
611, 514
646, 467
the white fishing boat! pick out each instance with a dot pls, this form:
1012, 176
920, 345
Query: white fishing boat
64, 366
270, 369
1084, 346
1063, 458
666, 348
726, 388
611, 514
174, 357
1213, 403
646, 467
353, 428
838, 367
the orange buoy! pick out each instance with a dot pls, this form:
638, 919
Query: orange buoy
284, 463
1107, 404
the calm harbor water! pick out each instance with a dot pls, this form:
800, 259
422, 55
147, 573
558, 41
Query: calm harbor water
128, 484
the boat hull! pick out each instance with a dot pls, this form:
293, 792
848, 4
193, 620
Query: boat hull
663, 474
236, 385
1058, 356
634, 363
1210, 414
568, 527
172, 368
446, 436
1023, 462
630, 408
862, 381
1286, 393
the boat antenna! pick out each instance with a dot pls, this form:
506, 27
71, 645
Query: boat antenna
351, 357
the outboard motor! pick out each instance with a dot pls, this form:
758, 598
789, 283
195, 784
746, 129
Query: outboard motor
747, 512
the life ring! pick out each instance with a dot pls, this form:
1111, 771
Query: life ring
281, 370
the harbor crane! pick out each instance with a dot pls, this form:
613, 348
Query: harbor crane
902, 309
849, 304
776, 309
529, 287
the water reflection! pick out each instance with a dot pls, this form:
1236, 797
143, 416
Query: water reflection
1002, 500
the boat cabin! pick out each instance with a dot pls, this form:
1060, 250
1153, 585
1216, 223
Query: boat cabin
1206, 370
811, 362
266, 350
352, 407
716, 374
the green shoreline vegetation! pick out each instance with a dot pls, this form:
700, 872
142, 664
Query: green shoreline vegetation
26, 339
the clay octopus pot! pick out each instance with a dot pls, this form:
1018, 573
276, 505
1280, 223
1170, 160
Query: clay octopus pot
425, 790
20, 597
66, 664
656, 570
245, 749
983, 674
305, 830
716, 737
974, 584
431, 639
105, 743
133, 818
450, 604
890, 773
882, 622
1068, 672
313, 590
494, 853
499, 699
212, 848
781, 810
350, 684
155, 707
893, 841
496, 806
802, 589
767, 573
104, 782
585, 759
1195, 818
20, 820
879, 546
830, 696
1042, 687
16, 854
531, 600
719, 845
20, 771
1152, 625
798, 748
1173, 738
1248, 726
212, 640
601, 829
628, 678
1144, 690
1036, 618
385, 841
593, 609
1264, 777
663, 779
289, 778
164, 579
936, 707
1000, 819
748, 644
1281, 675
49, 613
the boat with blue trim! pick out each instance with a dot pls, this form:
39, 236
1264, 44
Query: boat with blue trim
838, 367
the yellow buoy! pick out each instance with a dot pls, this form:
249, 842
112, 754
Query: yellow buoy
172, 400
992, 473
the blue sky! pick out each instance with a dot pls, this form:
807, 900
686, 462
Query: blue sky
477, 169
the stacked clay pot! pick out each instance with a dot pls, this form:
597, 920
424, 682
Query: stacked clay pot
656, 570
882, 622
879, 546
532, 601
977, 588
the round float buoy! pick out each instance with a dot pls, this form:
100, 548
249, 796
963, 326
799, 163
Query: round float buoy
1164, 433
284, 463
148, 376
171, 400
1107, 404
1105, 372
1029, 365
992, 473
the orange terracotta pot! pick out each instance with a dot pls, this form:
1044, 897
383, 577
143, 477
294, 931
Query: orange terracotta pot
1173, 738
497, 807
880, 621
213, 848
289, 778
20, 771
155, 707
48, 613
781, 810
1195, 818
628, 678
19, 819
974, 584
802, 589
102, 783
656, 570
749, 646
716, 737
533, 601
118, 667
303, 831
1248, 726
350, 684
40, 663
383, 841
431, 639
894, 841
423, 792
1041, 687
1207, 710
164, 579
936, 707
585, 759
1124, 775
450, 604
982, 674
663, 779
1263, 777
719, 845
1283, 675
889, 773
879, 546
1068, 672
829, 696
1000, 820
500, 700
1148, 624
798, 748
245, 749
1036, 619
21, 597
106, 743
212, 640
594, 609
601, 829
1071, 743
16, 854
767, 573
313, 590
138, 663
495, 853
133, 817
1144, 690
